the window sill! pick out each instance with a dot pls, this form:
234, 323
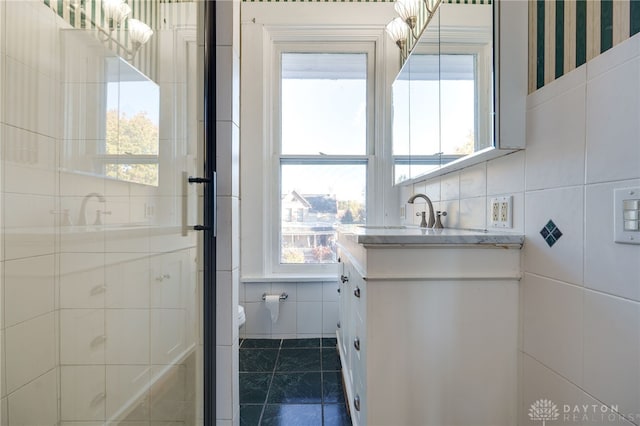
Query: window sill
289, 278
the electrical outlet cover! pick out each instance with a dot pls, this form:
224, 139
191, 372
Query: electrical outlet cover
502, 212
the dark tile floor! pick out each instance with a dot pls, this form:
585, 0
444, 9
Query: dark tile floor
291, 382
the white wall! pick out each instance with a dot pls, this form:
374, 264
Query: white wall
580, 298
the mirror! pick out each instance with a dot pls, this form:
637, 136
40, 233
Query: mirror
443, 107
111, 118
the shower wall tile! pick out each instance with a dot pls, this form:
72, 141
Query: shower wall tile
228, 252
35, 38
309, 318
21, 402
28, 225
563, 261
225, 58
473, 181
127, 336
310, 292
450, 186
311, 309
30, 350
82, 393
125, 388
28, 288
613, 108
556, 141
539, 382
612, 350
224, 308
225, 379
166, 334
75, 185
168, 401
472, 213
254, 291
3, 368
126, 279
82, 336
329, 318
228, 158
505, 175
552, 316
4, 406
330, 291
452, 207
34, 100
30, 165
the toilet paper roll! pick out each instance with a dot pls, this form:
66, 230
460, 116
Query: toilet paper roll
273, 305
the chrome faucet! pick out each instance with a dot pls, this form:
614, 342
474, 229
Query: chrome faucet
432, 219
82, 217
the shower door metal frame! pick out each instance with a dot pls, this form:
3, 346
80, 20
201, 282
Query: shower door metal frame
209, 215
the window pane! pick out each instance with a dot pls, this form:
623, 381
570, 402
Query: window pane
458, 104
315, 199
324, 103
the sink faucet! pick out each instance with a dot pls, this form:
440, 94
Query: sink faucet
432, 219
82, 218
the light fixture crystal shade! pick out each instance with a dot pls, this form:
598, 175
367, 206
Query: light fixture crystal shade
398, 30
139, 32
408, 10
117, 10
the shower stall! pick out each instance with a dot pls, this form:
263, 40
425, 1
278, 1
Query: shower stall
100, 268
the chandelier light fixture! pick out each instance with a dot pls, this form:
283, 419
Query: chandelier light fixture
413, 18
117, 14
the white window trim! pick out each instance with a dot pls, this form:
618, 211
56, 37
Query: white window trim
329, 43
346, 39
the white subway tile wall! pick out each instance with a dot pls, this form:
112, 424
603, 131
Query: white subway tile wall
310, 310
228, 210
580, 297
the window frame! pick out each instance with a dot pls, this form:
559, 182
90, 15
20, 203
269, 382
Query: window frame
325, 45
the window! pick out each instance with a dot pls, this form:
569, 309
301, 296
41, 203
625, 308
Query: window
322, 142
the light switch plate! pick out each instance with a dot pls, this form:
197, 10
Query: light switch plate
626, 211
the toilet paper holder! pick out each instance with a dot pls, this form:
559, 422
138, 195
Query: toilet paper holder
283, 296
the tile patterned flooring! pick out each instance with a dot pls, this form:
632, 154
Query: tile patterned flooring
291, 382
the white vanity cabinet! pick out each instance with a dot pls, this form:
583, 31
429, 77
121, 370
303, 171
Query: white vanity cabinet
429, 326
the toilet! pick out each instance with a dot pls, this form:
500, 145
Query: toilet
241, 317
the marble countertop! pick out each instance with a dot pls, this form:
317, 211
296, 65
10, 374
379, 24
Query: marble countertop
408, 235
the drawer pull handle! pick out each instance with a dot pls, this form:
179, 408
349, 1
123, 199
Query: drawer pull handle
356, 292
356, 402
338, 290
356, 344
338, 324
344, 278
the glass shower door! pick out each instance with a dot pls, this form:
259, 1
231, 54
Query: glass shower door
100, 320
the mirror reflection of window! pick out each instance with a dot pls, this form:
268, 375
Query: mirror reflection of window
132, 128
458, 129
